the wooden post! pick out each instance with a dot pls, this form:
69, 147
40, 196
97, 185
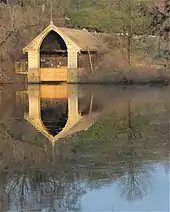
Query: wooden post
33, 65
33, 58
72, 75
72, 59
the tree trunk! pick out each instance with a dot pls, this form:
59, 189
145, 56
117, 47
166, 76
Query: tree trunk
129, 34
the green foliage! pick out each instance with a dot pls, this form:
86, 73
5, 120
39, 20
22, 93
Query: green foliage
95, 18
114, 16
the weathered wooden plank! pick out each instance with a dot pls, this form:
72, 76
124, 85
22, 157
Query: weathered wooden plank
53, 74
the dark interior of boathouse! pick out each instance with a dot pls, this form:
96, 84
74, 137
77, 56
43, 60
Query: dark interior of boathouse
53, 51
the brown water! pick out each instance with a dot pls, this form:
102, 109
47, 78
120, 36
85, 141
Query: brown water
84, 148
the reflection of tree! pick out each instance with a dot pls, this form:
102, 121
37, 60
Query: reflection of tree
135, 182
28, 187
167, 165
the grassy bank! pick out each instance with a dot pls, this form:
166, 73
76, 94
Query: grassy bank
132, 76
147, 65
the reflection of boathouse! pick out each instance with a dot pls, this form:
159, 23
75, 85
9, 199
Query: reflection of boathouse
60, 54
55, 110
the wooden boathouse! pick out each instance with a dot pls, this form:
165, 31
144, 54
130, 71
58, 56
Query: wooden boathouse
60, 54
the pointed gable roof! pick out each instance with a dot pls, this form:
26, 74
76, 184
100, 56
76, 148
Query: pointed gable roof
81, 40
84, 39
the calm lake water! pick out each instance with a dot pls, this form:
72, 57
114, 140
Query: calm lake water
84, 148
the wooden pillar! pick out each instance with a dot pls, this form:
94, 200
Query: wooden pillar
72, 74
72, 58
33, 65
33, 58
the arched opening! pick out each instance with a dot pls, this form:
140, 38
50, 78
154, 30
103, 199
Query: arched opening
54, 115
53, 51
